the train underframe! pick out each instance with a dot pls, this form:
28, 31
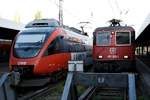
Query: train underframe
114, 66
27, 73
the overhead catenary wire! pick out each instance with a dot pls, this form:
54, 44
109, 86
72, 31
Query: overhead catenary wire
70, 13
65, 10
118, 8
112, 8
121, 12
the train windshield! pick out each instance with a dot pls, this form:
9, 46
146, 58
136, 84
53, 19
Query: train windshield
28, 44
103, 38
123, 38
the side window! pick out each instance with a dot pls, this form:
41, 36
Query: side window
54, 47
65, 46
50, 48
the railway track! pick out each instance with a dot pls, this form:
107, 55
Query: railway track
110, 94
144, 78
33, 95
93, 93
44, 90
27, 90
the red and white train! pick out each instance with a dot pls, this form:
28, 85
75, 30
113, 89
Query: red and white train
114, 48
44, 47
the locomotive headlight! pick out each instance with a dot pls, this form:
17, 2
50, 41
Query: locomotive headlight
112, 33
100, 57
126, 57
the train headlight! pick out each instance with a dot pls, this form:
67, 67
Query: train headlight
100, 57
125, 57
112, 33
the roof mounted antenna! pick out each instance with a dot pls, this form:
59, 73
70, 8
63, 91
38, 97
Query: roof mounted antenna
115, 22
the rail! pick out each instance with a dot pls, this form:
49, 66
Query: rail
38, 93
88, 93
104, 80
144, 72
10, 84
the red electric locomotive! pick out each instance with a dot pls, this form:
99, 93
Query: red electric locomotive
114, 48
44, 47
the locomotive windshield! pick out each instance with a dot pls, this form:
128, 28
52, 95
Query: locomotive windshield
103, 38
28, 44
123, 38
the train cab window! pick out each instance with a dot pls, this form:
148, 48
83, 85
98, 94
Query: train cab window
122, 38
103, 38
29, 44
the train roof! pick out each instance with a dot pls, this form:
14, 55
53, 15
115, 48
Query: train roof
111, 28
40, 29
47, 25
43, 23
114, 25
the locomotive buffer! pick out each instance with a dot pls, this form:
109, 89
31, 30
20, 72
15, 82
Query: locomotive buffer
96, 82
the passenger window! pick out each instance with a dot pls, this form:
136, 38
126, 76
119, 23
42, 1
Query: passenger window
54, 47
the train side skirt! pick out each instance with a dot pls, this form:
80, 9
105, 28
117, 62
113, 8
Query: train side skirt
92, 80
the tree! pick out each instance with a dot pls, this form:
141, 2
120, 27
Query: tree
38, 15
17, 17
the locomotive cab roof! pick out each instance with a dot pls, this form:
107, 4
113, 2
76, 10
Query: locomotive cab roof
114, 25
43, 23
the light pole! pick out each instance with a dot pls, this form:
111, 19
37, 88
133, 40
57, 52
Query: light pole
61, 12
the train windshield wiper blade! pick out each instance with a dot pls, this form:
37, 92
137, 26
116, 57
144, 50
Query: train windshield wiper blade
38, 43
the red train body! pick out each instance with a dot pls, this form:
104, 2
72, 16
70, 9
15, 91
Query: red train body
44, 48
114, 48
